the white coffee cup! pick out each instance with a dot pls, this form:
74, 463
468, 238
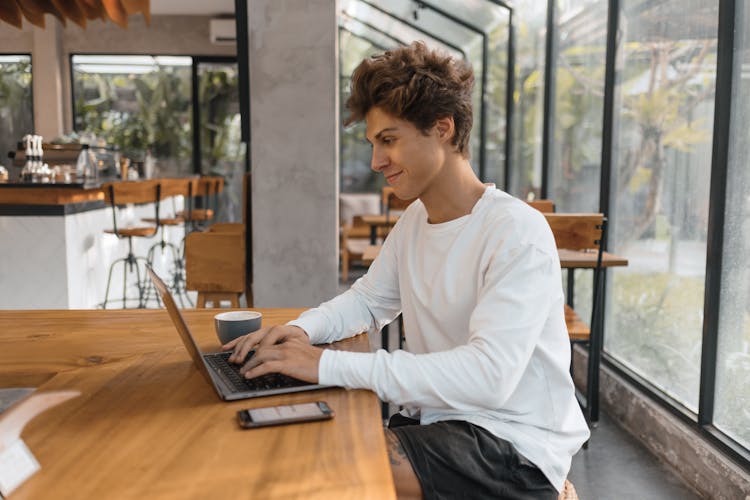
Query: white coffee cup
233, 324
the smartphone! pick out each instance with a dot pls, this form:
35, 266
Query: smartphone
286, 414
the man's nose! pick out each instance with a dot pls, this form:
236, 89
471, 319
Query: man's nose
379, 160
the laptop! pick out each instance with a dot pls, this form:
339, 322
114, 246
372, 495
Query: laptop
224, 376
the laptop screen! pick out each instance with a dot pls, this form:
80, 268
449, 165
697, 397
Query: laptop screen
179, 323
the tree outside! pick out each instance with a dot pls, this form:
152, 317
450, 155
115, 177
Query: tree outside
138, 111
16, 114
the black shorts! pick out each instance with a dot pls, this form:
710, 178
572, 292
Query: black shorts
456, 459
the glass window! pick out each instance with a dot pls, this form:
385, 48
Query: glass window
578, 105
220, 134
732, 403
16, 112
526, 164
406, 23
137, 103
356, 174
660, 190
497, 86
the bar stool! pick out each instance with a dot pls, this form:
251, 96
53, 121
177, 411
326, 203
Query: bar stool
118, 194
171, 188
207, 189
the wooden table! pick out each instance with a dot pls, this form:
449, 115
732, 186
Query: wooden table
587, 260
376, 221
147, 424
572, 260
582, 259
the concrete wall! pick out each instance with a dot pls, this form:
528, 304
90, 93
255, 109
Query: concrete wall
697, 462
293, 61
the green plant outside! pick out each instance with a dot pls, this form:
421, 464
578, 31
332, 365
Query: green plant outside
138, 112
16, 118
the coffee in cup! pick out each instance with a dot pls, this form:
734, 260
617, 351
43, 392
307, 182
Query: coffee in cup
233, 324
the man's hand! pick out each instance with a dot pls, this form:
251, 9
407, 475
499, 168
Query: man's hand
278, 349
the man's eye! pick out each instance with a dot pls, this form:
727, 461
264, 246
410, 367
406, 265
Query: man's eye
388, 140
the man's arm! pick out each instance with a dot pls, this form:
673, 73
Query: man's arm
517, 295
372, 302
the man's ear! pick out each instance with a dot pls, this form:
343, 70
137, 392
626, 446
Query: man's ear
445, 128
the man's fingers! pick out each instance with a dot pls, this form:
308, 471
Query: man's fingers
275, 335
245, 344
264, 369
262, 356
232, 343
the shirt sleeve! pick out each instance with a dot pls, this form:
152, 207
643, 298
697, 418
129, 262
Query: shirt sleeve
519, 287
372, 302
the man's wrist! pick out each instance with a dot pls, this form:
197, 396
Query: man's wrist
302, 330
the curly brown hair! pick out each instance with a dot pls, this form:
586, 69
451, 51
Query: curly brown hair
418, 85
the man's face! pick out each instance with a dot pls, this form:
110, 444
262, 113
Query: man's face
409, 160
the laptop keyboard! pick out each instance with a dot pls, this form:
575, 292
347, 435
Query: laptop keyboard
220, 362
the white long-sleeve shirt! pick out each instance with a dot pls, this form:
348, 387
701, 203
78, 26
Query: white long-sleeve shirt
486, 341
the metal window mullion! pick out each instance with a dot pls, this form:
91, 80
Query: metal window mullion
510, 88
243, 75
483, 110
71, 77
608, 113
195, 100
716, 209
610, 75
549, 91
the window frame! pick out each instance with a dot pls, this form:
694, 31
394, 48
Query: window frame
702, 421
194, 97
31, 64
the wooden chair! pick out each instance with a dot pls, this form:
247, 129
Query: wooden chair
355, 238
215, 264
117, 194
354, 234
392, 203
207, 189
584, 232
544, 206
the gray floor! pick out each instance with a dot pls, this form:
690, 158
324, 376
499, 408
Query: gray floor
616, 466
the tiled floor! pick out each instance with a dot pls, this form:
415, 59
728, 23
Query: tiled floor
615, 466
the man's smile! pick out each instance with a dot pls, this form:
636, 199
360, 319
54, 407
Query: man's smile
393, 177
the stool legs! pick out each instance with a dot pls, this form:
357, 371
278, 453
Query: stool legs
129, 266
177, 284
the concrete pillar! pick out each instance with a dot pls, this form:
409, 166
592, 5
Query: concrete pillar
293, 67
48, 68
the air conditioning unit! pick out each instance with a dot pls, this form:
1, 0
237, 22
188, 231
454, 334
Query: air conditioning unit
223, 31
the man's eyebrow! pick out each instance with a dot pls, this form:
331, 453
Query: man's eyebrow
387, 129
380, 134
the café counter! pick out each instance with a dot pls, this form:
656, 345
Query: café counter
54, 253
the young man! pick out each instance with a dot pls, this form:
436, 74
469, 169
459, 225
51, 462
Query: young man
490, 410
